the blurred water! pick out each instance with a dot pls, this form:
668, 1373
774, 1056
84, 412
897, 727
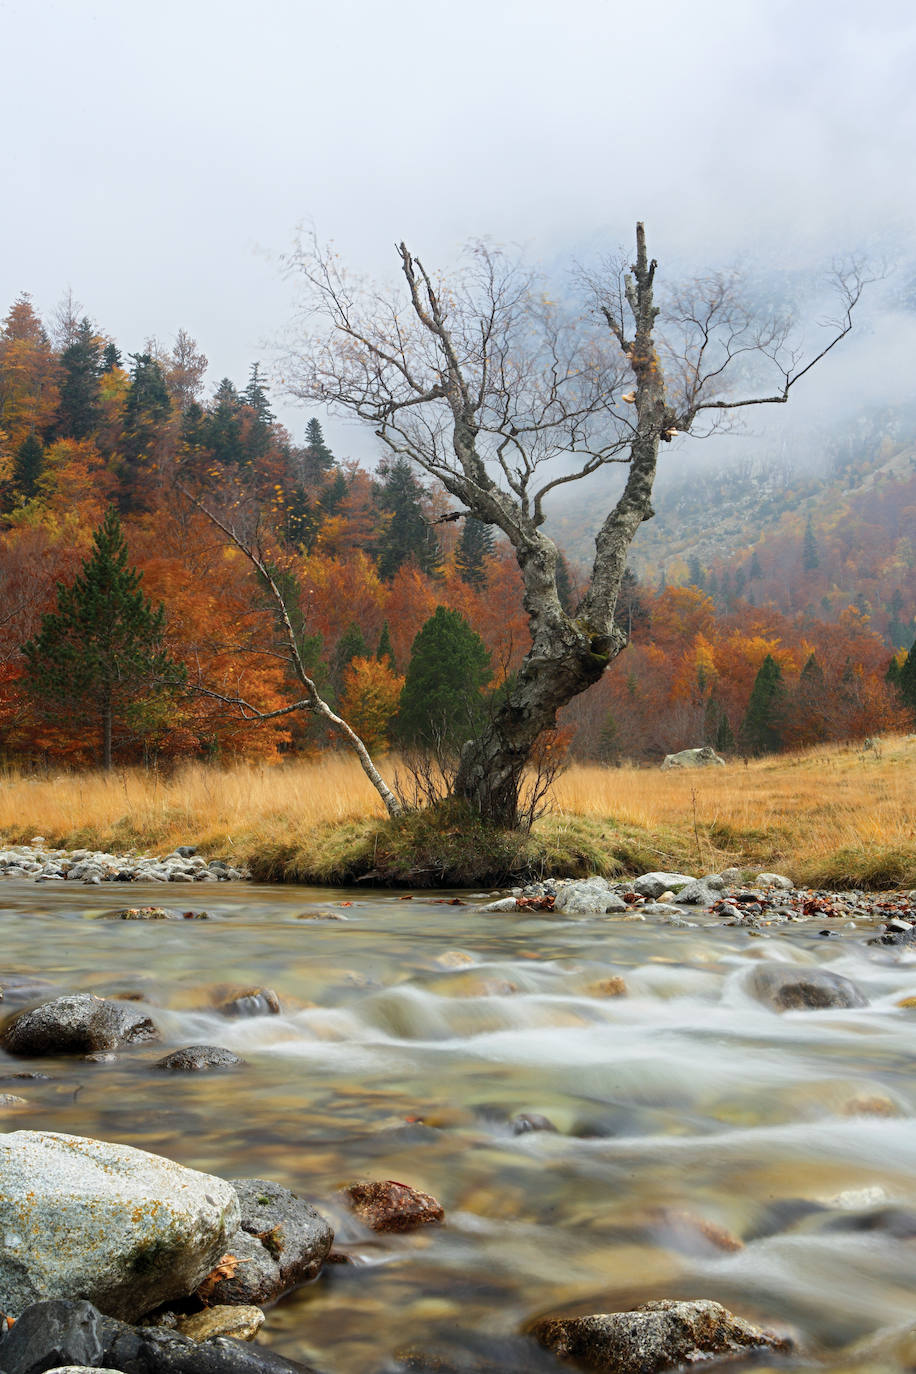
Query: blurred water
705, 1146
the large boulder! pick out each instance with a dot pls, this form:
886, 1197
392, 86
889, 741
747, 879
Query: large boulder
281, 1241
654, 1336
61, 1333
693, 758
79, 1024
123, 1228
788, 987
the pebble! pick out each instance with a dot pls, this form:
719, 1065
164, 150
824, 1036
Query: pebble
92, 867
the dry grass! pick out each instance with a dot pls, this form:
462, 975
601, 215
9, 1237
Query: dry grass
830, 816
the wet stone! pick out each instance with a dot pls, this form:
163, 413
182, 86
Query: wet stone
654, 1336
390, 1206
526, 1122
786, 987
198, 1058
254, 1002
81, 1024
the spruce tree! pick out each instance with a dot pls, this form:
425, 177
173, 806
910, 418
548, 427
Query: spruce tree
317, 458
810, 556
100, 654
442, 702
474, 548
407, 535
28, 462
385, 648
906, 680
352, 644
760, 728
81, 367
694, 572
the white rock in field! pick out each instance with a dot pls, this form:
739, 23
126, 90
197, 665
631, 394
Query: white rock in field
125, 1229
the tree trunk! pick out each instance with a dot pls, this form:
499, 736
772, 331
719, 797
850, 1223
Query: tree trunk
568, 654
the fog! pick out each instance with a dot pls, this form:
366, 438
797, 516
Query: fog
157, 160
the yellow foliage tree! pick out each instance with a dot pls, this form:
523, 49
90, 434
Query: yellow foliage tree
370, 699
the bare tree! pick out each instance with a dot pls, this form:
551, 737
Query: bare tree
503, 396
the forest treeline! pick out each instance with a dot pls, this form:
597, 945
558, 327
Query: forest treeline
107, 456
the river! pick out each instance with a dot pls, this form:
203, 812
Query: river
705, 1145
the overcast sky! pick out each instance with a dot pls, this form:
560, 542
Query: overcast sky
157, 158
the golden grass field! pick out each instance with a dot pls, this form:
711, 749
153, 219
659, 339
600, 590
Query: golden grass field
832, 816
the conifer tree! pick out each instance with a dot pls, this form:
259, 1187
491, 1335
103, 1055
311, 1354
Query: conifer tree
352, 644
81, 367
760, 728
28, 462
442, 702
906, 681
101, 652
810, 556
317, 458
385, 648
408, 535
474, 548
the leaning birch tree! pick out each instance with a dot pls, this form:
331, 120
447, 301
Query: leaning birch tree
503, 396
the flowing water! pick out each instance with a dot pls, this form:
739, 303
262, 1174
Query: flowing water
704, 1147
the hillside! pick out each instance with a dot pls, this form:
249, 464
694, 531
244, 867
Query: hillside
819, 538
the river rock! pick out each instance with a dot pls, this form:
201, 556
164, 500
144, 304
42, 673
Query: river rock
281, 1241
254, 1002
774, 880
587, 897
243, 1323
88, 1219
788, 987
696, 893
198, 1058
654, 884
79, 1024
654, 1336
63, 1334
389, 1206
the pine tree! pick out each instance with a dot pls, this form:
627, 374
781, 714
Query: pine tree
442, 702
810, 555
352, 644
630, 612
317, 458
80, 367
28, 462
385, 648
474, 548
407, 535
725, 739
906, 681
754, 569
694, 572
760, 728
221, 431
111, 358
100, 655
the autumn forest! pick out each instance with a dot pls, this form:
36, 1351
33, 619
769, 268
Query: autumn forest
93, 439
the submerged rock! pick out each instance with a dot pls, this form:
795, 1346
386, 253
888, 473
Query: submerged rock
254, 1002
198, 1058
787, 987
281, 1241
84, 1218
654, 1336
79, 1024
391, 1206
